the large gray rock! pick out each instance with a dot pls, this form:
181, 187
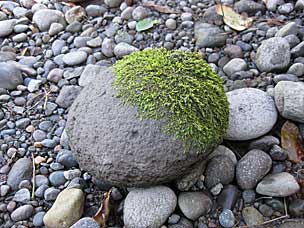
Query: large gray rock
21, 170
10, 76
6, 27
252, 114
208, 35
278, 185
273, 55
45, 17
149, 207
111, 142
289, 99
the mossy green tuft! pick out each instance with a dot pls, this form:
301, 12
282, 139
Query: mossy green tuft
179, 89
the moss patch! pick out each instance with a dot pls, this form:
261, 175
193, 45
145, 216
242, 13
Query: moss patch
179, 88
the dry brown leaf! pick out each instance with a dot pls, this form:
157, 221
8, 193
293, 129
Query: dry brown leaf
232, 18
292, 142
103, 213
161, 9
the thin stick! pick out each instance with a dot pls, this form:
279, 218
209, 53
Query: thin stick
33, 180
46, 99
36, 104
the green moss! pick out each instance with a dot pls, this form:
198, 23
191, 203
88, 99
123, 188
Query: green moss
179, 88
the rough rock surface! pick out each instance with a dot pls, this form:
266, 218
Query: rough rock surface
252, 168
113, 144
149, 207
273, 55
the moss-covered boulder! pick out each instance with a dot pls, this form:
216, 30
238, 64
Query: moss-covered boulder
148, 119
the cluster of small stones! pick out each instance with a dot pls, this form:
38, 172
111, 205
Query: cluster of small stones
50, 50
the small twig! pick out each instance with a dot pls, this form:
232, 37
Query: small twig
38, 102
33, 180
45, 100
264, 197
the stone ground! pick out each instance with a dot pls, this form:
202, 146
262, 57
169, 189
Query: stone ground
50, 49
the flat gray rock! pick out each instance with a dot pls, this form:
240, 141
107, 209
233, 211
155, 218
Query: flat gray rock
278, 185
273, 55
289, 99
252, 114
149, 207
112, 143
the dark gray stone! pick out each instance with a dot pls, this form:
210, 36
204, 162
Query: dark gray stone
194, 204
264, 143
57, 178
249, 6
67, 95
10, 76
296, 207
220, 169
252, 168
22, 213
66, 158
112, 143
38, 219
21, 170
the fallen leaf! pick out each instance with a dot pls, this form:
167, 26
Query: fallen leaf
103, 213
161, 9
232, 18
145, 24
292, 142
